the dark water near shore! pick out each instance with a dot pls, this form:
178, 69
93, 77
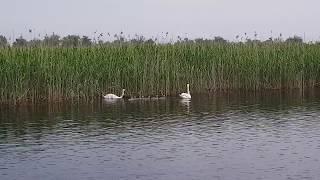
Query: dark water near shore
262, 136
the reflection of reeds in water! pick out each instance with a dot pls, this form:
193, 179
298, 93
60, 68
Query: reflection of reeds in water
55, 74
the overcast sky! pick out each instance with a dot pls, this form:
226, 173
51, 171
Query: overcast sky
192, 18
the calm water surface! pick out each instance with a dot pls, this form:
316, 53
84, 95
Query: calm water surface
264, 136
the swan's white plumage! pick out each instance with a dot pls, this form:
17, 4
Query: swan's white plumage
186, 95
113, 96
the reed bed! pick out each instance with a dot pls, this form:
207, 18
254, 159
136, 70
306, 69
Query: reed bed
53, 74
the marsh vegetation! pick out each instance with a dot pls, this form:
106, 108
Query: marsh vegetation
54, 71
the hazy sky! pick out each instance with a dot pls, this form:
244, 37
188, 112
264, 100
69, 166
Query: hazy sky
192, 18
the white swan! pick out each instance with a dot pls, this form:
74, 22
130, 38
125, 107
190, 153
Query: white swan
113, 96
186, 95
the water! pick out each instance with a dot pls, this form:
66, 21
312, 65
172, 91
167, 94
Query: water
266, 136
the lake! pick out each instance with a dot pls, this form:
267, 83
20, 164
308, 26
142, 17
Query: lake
224, 136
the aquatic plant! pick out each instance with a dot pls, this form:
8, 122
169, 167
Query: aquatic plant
56, 73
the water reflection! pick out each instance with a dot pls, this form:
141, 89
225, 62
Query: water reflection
260, 136
113, 101
186, 103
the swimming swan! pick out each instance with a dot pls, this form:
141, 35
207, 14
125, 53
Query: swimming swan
113, 96
186, 95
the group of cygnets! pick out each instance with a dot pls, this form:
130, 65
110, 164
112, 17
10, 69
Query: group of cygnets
186, 95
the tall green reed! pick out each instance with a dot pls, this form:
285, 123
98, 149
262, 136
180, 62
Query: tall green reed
53, 74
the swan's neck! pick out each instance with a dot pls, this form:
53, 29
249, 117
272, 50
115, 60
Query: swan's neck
122, 94
188, 90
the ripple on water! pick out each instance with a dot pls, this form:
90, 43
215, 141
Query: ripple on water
206, 138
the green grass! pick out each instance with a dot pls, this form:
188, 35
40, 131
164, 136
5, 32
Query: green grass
54, 74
